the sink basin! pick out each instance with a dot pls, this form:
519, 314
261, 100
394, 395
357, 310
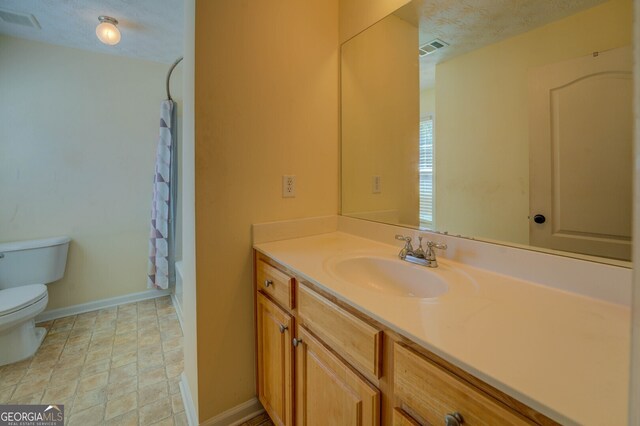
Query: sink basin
388, 276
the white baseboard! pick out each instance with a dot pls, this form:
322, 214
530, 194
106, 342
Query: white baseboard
237, 415
187, 401
100, 304
178, 309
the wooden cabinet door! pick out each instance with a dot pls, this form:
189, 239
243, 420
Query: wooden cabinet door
275, 366
328, 391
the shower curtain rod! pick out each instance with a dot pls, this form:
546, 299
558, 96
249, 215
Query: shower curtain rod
169, 76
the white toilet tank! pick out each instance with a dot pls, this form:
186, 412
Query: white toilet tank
33, 261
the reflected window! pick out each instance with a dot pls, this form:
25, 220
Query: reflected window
426, 172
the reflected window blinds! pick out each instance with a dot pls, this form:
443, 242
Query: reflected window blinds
426, 172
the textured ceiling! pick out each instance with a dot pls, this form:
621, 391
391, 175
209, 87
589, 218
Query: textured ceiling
151, 29
470, 24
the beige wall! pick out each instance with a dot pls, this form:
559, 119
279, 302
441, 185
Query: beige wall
266, 104
427, 101
357, 15
482, 120
634, 395
77, 152
380, 123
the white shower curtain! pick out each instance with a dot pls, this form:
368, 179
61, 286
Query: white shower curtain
160, 268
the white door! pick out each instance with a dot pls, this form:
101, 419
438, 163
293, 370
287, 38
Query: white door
581, 155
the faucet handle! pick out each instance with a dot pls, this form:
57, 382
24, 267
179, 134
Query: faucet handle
432, 244
403, 238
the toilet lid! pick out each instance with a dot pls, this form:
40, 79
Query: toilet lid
15, 298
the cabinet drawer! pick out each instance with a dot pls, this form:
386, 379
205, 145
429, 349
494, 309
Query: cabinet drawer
432, 393
400, 418
275, 283
358, 342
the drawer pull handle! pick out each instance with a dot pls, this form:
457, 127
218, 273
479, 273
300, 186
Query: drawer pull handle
296, 342
283, 328
453, 419
268, 283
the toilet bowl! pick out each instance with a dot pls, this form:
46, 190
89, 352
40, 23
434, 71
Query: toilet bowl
25, 268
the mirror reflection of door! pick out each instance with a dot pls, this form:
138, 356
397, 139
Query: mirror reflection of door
581, 154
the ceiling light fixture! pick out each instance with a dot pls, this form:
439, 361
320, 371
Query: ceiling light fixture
107, 31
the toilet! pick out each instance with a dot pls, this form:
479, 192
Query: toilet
25, 268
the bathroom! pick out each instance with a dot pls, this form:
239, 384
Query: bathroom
261, 100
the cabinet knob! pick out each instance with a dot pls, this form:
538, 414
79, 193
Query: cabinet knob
268, 283
283, 328
453, 419
296, 342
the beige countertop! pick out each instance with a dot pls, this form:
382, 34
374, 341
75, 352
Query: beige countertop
563, 354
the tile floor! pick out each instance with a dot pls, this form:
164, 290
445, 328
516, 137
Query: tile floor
261, 420
118, 366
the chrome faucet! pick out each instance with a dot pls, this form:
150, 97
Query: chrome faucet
419, 256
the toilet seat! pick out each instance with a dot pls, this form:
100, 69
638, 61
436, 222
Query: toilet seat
17, 298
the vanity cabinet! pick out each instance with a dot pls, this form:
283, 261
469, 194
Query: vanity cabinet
322, 362
328, 391
439, 397
275, 360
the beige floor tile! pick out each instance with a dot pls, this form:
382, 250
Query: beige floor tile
165, 422
5, 394
89, 417
173, 357
128, 419
127, 337
30, 388
78, 348
56, 337
151, 376
147, 312
152, 393
106, 324
94, 367
78, 339
149, 339
100, 344
172, 344
70, 361
125, 347
33, 398
176, 403
89, 399
97, 341
115, 390
99, 354
180, 419
126, 326
174, 369
37, 374
155, 411
11, 377
118, 374
60, 393
80, 332
119, 359
121, 405
170, 334
150, 356
174, 385
60, 376
92, 364
94, 381
39, 363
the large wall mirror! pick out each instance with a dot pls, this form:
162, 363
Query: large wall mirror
505, 121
